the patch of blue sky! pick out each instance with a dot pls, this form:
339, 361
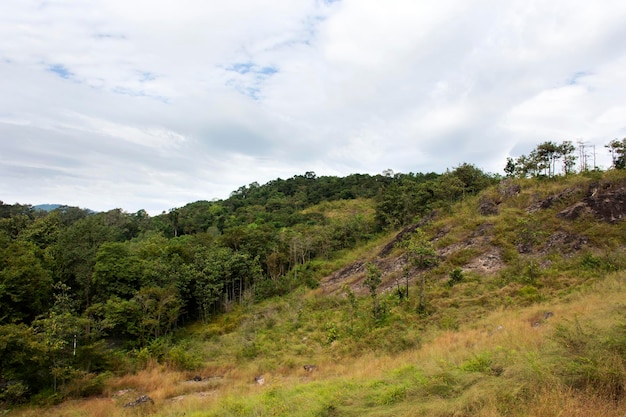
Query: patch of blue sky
244, 68
60, 70
252, 77
241, 67
268, 71
138, 93
250, 91
577, 76
145, 76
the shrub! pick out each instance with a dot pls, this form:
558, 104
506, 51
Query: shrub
478, 363
456, 276
530, 294
183, 357
87, 385
14, 393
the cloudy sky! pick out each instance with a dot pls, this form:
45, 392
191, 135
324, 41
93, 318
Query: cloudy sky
152, 104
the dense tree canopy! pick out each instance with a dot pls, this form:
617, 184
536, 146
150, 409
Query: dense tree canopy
71, 278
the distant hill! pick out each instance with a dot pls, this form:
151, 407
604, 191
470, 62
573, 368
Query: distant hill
47, 207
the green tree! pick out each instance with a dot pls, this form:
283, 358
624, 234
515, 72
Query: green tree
548, 153
60, 332
160, 308
117, 271
473, 178
373, 279
206, 275
421, 255
75, 253
617, 148
25, 284
21, 358
567, 151
510, 167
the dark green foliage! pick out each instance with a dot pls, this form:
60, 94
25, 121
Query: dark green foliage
606, 263
617, 148
456, 276
21, 355
116, 272
25, 283
408, 197
373, 279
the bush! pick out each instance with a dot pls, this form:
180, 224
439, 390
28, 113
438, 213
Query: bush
14, 392
530, 294
183, 357
456, 276
86, 385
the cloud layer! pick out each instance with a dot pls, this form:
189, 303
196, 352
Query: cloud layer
154, 104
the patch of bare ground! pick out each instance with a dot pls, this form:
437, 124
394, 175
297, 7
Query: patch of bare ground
353, 275
487, 261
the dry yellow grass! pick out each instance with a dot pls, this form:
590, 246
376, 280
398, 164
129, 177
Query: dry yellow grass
507, 330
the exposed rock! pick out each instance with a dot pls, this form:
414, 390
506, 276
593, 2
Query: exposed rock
198, 379
488, 206
488, 263
549, 201
200, 394
259, 380
574, 211
608, 203
309, 368
123, 392
538, 319
343, 274
508, 189
485, 229
144, 399
565, 242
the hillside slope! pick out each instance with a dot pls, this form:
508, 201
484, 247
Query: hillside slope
520, 312
515, 222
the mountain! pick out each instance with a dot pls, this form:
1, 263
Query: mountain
47, 207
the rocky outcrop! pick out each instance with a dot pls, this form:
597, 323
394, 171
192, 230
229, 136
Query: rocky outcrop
144, 399
606, 202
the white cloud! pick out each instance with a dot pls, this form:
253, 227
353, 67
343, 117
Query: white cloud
151, 105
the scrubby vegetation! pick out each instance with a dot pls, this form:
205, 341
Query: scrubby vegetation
458, 294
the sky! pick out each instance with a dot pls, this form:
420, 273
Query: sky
153, 104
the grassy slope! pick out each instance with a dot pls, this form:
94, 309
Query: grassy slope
476, 353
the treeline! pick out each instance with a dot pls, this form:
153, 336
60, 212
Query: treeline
550, 158
76, 285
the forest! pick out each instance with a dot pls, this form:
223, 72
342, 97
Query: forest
79, 290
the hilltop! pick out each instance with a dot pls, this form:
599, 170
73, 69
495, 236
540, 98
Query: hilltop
501, 300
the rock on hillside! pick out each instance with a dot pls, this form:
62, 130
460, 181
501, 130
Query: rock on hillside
604, 201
